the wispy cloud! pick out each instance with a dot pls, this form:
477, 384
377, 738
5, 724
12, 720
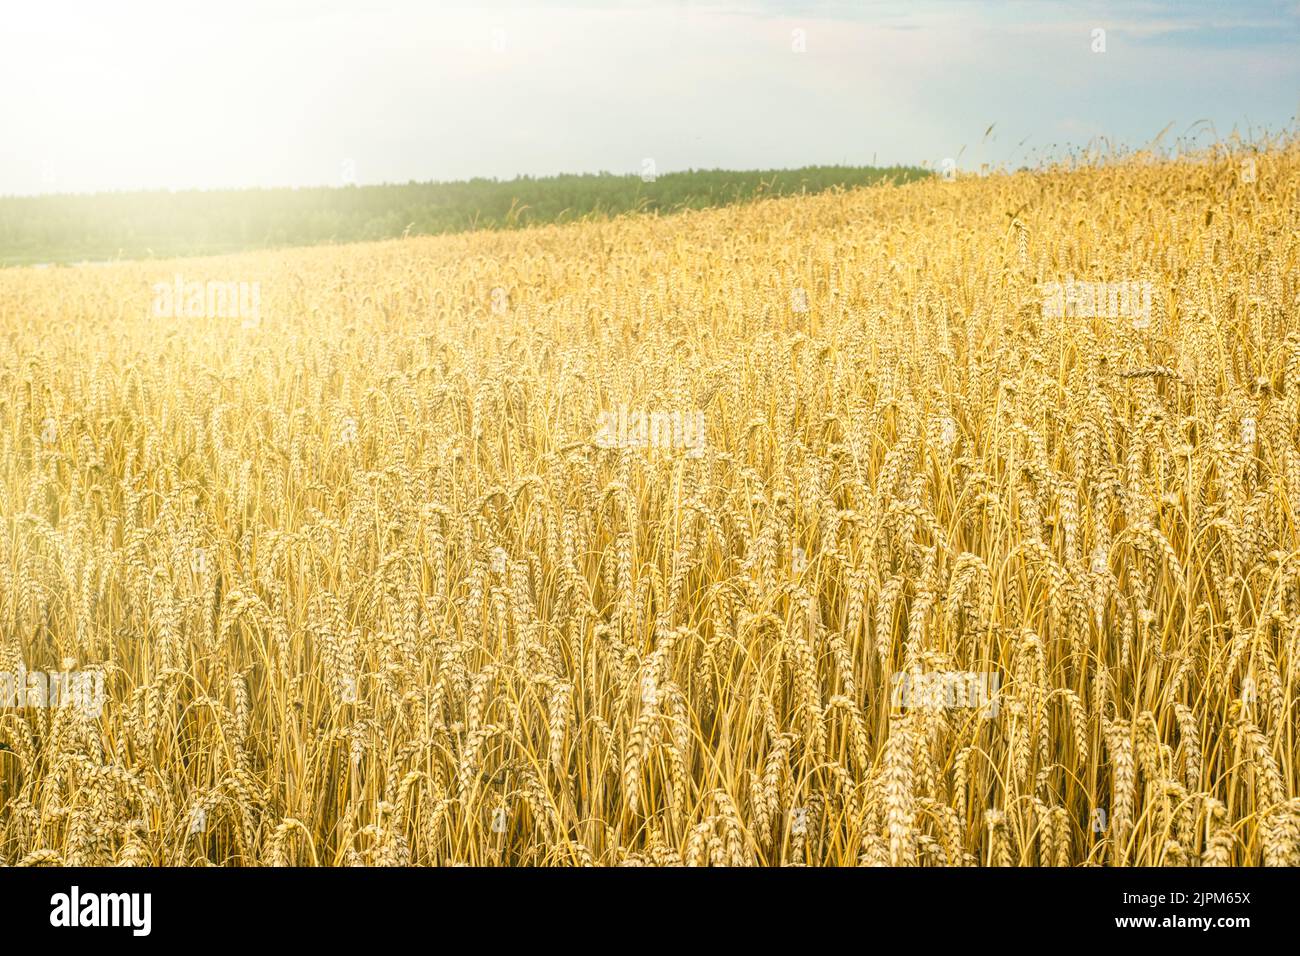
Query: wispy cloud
266, 93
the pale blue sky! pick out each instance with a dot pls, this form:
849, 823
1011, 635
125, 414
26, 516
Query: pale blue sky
178, 94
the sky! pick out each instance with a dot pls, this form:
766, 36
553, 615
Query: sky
238, 93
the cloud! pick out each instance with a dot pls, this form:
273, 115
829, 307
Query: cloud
253, 93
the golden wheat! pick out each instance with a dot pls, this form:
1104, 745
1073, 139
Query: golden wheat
364, 585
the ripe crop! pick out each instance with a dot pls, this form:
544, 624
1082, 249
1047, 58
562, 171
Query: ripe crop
954, 575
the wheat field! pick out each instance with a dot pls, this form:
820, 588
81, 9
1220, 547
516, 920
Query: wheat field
659, 540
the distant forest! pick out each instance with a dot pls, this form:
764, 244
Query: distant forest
136, 225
